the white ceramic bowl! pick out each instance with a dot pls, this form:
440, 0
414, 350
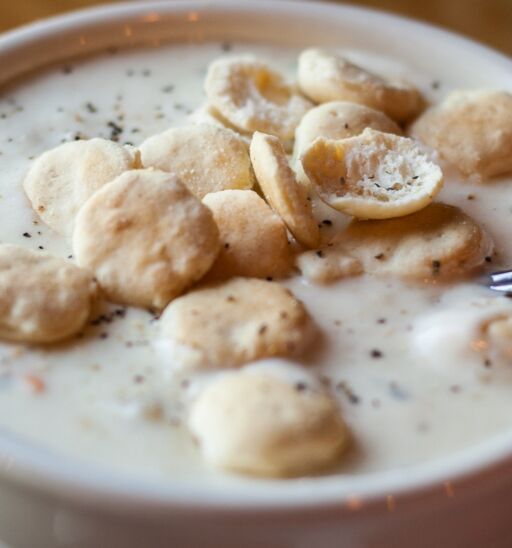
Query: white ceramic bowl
47, 501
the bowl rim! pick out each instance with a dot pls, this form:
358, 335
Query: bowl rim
87, 484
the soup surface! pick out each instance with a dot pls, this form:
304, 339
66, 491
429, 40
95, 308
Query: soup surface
411, 380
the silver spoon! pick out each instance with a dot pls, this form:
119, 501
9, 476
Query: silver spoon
500, 281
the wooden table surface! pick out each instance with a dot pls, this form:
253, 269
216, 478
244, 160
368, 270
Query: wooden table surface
489, 21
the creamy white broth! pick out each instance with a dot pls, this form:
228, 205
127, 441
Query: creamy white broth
110, 398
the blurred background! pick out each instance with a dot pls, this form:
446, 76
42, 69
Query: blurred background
489, 21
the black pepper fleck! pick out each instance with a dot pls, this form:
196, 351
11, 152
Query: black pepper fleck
91, 108
115, 131
344, 387
27, 235
376, 353
436, 267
